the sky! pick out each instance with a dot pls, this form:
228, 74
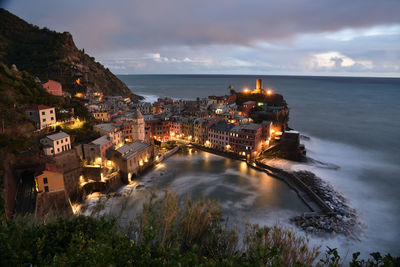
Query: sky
285, 37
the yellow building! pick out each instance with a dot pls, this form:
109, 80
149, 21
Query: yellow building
49, 179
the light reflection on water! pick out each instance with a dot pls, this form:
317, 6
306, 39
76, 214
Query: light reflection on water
242, 191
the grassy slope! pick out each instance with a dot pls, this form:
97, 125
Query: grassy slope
52, 55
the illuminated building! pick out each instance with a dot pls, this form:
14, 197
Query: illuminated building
133, 158
56, 143
42, 115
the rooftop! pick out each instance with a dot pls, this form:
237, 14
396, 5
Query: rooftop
38, 107
47, 167
247, 126
58, 136
101, 140
222, 126
130, 149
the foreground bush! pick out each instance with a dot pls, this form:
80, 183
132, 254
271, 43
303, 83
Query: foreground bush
168, 232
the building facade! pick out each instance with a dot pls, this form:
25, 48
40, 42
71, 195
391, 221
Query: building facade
53, 87
99, 148
133, 158
246, 139
42, 115
218, 135
56, 143
49, 178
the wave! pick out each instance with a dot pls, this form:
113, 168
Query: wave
370, 184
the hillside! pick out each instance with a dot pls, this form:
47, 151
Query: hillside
51, 55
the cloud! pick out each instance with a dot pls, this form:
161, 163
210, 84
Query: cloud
229, 36
337, 60
154, 23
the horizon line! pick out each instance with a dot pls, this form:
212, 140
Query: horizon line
289, 75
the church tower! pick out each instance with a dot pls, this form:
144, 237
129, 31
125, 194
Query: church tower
138, 132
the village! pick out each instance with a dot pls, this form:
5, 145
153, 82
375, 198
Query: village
135, 136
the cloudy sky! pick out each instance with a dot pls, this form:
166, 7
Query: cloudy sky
294, 37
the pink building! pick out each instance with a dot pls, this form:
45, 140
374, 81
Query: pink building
53, 87
247, 107
218, 135
246, 139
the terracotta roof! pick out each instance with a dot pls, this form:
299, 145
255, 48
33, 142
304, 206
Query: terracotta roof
47, 167
38, 107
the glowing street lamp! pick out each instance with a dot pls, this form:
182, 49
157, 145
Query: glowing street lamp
246, 90
269, 92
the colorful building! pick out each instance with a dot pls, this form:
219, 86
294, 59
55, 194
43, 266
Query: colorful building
49, 178
246, 139
53, 87
101, 116
56, 143
42, 115
218, 135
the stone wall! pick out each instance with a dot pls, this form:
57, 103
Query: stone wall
56, 202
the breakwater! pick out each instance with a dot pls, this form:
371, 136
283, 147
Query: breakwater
329, 210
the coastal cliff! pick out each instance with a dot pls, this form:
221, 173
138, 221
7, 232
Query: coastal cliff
51, 55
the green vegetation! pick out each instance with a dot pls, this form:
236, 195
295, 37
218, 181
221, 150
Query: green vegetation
169, 232
17, 89
52, 55
83, 134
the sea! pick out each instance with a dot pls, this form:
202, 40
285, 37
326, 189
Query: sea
353, 123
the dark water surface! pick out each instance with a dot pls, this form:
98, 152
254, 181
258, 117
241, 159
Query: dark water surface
352, 122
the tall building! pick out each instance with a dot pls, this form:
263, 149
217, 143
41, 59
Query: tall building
138, 132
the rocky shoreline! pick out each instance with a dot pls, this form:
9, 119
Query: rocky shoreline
342, 220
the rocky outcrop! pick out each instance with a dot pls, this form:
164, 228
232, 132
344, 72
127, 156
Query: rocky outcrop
342, 219
52, 55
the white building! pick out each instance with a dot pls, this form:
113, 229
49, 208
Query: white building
42, 115
56, 143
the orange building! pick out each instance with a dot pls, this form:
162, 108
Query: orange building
101, 116
49, 179
53, 87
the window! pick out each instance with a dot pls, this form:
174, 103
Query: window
58, 142
43, 112
30, 113
45, 180
51, 111
66, 139
52, 118
62, 141
58, 149
46, 189
44, 120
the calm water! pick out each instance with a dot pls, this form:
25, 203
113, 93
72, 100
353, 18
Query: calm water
352, 122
